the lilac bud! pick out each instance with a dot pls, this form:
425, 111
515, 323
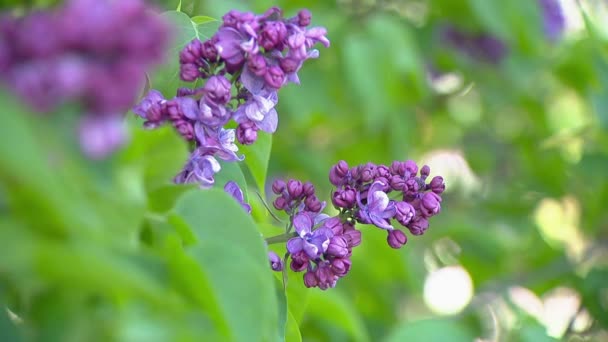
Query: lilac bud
383, 171
310, 279
299, 261
294, 188
398, 168
309, 189
313, 204
217, 90
368, 172
278, 186
397, 183
289, 65
184, 128
352, 236
430, 204
418, 225
189, 72
191, 53
209, 51
340, 266
272, 36
257, 65
437, 186
396, 238
280, 203
246, 133
411, 168
345, 198
326, 278
337, 247
404, 212
276, 263
274, 77
338, 172
411, 187
424, 172
304, 18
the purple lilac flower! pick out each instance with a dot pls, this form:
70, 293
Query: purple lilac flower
233, 189
378, 209
94, 52
481, 47
553, 18
276, 263
243, 65
313, 243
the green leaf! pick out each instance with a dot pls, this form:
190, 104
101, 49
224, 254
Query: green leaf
159, 154
232, 254
432, 330
202, 19
257, 157
292, 330
331, 307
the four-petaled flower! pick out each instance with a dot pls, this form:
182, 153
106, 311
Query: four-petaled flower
313, 242
378, 209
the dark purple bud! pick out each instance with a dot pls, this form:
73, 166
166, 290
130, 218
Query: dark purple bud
310, 279
217, 90
396, 238
418, 225
383, 171
257, 65
274, 77
430, 204
352, 236
397, 183
272, 36
304, 18
289, 65
309, 189
437, 185
191, 53
411, 168
299, 261
280, 203
326, 278
209, 51
337, 247
411, 187
424, 172
404, 212
355, 172
278, 186
295, 188
340, 266
398, 168
345, 198
189, 72
184, 128
276, 263
338, 172
368, 172
313, 204
246, 133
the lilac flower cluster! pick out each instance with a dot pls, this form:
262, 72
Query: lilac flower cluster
322, 245
94, 52
243, 66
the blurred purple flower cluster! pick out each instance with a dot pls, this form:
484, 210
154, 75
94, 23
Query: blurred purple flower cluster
243, 66
94, 52
486, 47
322, 245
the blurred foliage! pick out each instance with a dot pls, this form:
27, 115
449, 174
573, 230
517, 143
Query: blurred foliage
112, 251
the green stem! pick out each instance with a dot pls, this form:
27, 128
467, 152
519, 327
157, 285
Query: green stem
280, 238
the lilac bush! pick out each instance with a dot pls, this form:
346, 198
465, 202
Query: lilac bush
243, 66
93, 52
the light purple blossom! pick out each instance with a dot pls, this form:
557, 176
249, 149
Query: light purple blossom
200, 168
233, 189
379, 209
259, 110
313, 242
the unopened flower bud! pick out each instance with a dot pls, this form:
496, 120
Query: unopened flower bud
396, 238
276, 263
295, 188
278, 186
437, 185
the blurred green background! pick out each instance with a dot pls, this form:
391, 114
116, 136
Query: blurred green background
520, 250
